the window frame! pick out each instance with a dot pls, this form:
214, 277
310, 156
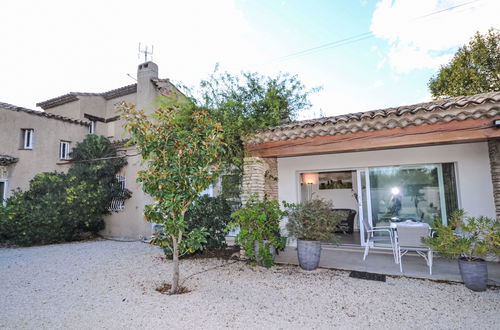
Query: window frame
3, 194
92, 127
67, 150
118, 204
27, 138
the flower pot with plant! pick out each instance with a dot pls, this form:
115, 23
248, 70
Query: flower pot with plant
470, 240
311, 222
259, 233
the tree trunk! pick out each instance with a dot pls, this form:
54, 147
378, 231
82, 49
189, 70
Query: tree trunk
175, 273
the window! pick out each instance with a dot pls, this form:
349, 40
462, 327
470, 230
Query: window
64, 150
27, 138
3, 191
419, 193
118, 203
92, 127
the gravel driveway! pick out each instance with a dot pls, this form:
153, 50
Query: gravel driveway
107, 284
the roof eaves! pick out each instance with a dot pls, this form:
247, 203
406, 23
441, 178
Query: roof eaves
12, 107
340, 123
73, 96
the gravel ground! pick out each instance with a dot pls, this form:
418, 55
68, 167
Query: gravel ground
107, 284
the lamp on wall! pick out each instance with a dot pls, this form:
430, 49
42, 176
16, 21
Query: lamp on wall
309, 179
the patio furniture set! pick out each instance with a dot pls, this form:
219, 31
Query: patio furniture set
403, 237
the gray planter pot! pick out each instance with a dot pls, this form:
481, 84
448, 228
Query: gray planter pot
308, 253
272, 250
474, 274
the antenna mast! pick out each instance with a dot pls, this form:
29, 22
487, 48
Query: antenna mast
146, 52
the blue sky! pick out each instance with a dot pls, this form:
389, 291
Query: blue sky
55, 47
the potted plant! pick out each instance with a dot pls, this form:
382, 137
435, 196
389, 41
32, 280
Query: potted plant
259, 233
311, 222
470, 240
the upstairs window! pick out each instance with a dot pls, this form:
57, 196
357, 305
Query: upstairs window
27, 138
64, 150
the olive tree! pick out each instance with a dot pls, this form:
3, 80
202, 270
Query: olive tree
182, 149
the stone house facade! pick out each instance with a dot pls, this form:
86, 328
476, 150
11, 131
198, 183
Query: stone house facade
69, 118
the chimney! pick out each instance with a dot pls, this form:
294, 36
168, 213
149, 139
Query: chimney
147, 93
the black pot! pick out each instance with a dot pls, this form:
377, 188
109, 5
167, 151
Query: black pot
474, 273
308, 253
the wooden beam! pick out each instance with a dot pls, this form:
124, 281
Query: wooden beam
472, 130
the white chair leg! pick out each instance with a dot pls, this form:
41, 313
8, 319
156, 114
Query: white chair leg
367, 246
429, 257
400, 262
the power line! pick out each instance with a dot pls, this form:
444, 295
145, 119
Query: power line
355, 38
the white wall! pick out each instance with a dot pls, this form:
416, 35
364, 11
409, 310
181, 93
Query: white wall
475, 190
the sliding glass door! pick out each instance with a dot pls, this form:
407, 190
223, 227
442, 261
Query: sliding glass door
421, 193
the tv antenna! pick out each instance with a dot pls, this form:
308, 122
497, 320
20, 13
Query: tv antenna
146, 52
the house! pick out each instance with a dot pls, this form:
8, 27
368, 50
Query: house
40, 141
418, 162
33, 142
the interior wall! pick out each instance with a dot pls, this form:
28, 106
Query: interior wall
341, 198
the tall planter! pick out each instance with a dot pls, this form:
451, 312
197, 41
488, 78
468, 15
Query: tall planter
474, 274
309, 254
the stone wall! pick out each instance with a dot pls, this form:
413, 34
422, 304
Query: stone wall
494, 151
260, 177
271, 178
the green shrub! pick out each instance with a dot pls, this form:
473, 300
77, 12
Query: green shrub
61, 207
466, 237
259, 222
211, 213
313, 220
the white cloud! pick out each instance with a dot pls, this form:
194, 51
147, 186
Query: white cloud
377, 84
419, 40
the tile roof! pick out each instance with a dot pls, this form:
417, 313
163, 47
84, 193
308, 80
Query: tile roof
73, 96
7, 160
438, 111
11, 107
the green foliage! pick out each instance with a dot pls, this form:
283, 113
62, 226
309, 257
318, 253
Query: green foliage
474, 69
313, 220
60, 207
466, 237
211, 213
95, 160
183, 149
214, 214
259, 222
246, 103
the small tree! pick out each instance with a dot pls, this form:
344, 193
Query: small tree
182, 148
474, 69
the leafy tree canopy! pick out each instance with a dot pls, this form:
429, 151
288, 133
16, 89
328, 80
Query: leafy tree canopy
474, 69
249, 102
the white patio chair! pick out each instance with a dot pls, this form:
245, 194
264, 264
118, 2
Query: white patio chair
409, 236
371, 239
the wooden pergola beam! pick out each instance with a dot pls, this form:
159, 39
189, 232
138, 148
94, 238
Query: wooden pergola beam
472, 130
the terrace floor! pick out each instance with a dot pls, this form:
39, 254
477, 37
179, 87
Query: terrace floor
381, 261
